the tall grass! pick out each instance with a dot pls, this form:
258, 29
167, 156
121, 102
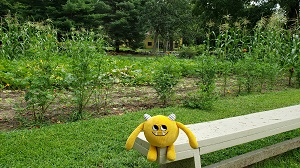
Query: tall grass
260, 56
27, 40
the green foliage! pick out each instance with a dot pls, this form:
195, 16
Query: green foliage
187, 52
253, 73
206, 71
82, 48
40, 94
166, 78
13, 73
225, 71
246, 70
254, 61
297, 69
30, 39
191, 52
122, 23
166, 18
202, 99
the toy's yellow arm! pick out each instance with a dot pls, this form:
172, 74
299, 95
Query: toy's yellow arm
133, 135
192, 139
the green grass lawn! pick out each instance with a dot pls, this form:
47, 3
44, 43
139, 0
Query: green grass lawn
100, 142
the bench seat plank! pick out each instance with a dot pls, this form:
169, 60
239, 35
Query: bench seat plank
224, 133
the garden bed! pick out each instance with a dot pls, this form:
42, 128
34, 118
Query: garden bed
119, 99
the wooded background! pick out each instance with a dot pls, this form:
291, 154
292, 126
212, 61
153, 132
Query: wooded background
126, 22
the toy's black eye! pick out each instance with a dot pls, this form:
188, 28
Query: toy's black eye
163, 127
155, 127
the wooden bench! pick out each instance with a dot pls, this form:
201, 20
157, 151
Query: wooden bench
220, 134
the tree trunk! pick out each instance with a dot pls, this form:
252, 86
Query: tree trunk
165, 46
155, 41
171, 44
117, 46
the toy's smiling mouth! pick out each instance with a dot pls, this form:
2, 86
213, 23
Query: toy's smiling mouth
160, 133
159, 130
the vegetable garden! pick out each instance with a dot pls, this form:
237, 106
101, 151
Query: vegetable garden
65, 78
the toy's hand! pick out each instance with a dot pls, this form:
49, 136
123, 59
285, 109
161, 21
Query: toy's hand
133, 135
192, 139
193, 143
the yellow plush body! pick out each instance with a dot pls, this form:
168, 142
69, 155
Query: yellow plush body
161, 131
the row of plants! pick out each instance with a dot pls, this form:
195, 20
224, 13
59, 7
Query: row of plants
86, 79
35, 59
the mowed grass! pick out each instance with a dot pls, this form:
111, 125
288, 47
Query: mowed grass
100, 142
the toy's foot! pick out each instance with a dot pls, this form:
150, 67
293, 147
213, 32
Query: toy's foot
152, 153
171, 155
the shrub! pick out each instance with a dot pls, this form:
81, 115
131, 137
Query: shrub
83, 49
225, 70
202, 99
166, 78
40, 93
206, 72
246, 71
191, 52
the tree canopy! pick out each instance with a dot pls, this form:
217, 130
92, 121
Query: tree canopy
127, 22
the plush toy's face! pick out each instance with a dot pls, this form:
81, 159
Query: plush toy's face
160, 131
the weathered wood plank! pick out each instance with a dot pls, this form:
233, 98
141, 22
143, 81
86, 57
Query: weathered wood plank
191, 162
258, 155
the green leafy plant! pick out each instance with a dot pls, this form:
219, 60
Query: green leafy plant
246, 71
40, 94
82, 48
191, 51
166, 78
202, 99
206, 72
225, 70
28, 39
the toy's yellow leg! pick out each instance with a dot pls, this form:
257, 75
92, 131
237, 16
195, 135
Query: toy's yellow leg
171, 155
152, 153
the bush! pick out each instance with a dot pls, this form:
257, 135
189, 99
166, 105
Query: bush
166, 78
40, 93
206, 72
83, 51
202, 99
191, 52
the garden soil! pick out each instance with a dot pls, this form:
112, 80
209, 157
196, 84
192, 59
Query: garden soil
114, 101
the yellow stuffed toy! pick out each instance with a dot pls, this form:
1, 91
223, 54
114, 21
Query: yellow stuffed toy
161, 131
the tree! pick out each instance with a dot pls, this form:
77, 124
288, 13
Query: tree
10, 7
292, 9
65, 14
5, 7
167, 18
215, 10
83, 14
122, 23
290, 6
